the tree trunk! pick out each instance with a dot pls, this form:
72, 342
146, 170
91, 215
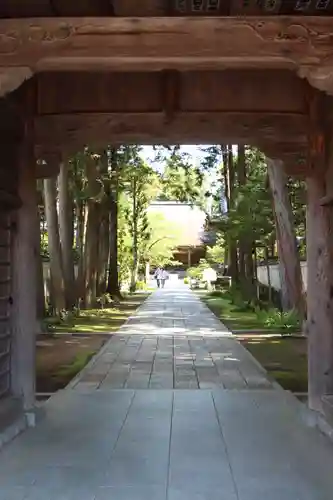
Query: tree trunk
113, 279
80, 238
232, 246
39, 273
241, 165
66, 230
50, 195
135, 263
292, 286
92, 235
135, 256
91, 255
147, 272
104, 251
104, 227
244, 247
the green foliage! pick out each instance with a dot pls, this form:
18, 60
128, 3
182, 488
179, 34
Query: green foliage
216, 253
194, 273
44, 246
217, 293
139, 184
104, 300
251, 217
163, 239
180, 179
141, 286
279, 320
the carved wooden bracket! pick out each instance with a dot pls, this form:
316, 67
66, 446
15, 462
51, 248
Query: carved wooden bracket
12, 77
320, 77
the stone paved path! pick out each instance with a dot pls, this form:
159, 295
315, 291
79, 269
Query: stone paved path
96, 442
174, 342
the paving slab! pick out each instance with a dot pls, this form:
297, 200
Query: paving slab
174, 342
97, 442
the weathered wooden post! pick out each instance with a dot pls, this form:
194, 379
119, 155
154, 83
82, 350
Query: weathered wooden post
319, 182
23, 317
24, 293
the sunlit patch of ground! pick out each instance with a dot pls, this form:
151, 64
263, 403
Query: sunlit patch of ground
60, 357
284, 357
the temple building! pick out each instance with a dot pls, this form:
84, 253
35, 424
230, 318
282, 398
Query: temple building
189, 221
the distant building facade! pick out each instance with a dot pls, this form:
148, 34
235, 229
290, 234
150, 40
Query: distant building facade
191, 221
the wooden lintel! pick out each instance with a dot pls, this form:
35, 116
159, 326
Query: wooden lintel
187, 127
171, 91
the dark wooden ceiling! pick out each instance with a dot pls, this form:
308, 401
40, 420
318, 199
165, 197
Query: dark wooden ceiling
101, 8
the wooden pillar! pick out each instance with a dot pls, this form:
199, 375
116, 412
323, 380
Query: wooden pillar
319, 326
24, 317
319, 293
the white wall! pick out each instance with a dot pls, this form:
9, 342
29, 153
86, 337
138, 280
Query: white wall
275, 275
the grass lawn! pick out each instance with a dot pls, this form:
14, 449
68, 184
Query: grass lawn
284, 357
61, 357
106, 320
232, 316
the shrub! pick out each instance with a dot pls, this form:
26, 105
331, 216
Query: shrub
218, 293
273, 318
141, 286
186, 280
194, 273
104, 300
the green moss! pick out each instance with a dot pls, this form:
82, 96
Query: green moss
106, 320
283, 357
234, 316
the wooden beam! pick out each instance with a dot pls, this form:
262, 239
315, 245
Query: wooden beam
170, 41
229, 90
150, 128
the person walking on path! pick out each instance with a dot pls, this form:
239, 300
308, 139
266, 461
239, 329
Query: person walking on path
164, 277
158, 276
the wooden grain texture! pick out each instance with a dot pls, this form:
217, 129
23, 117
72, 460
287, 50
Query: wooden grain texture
151, 128
258, 41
